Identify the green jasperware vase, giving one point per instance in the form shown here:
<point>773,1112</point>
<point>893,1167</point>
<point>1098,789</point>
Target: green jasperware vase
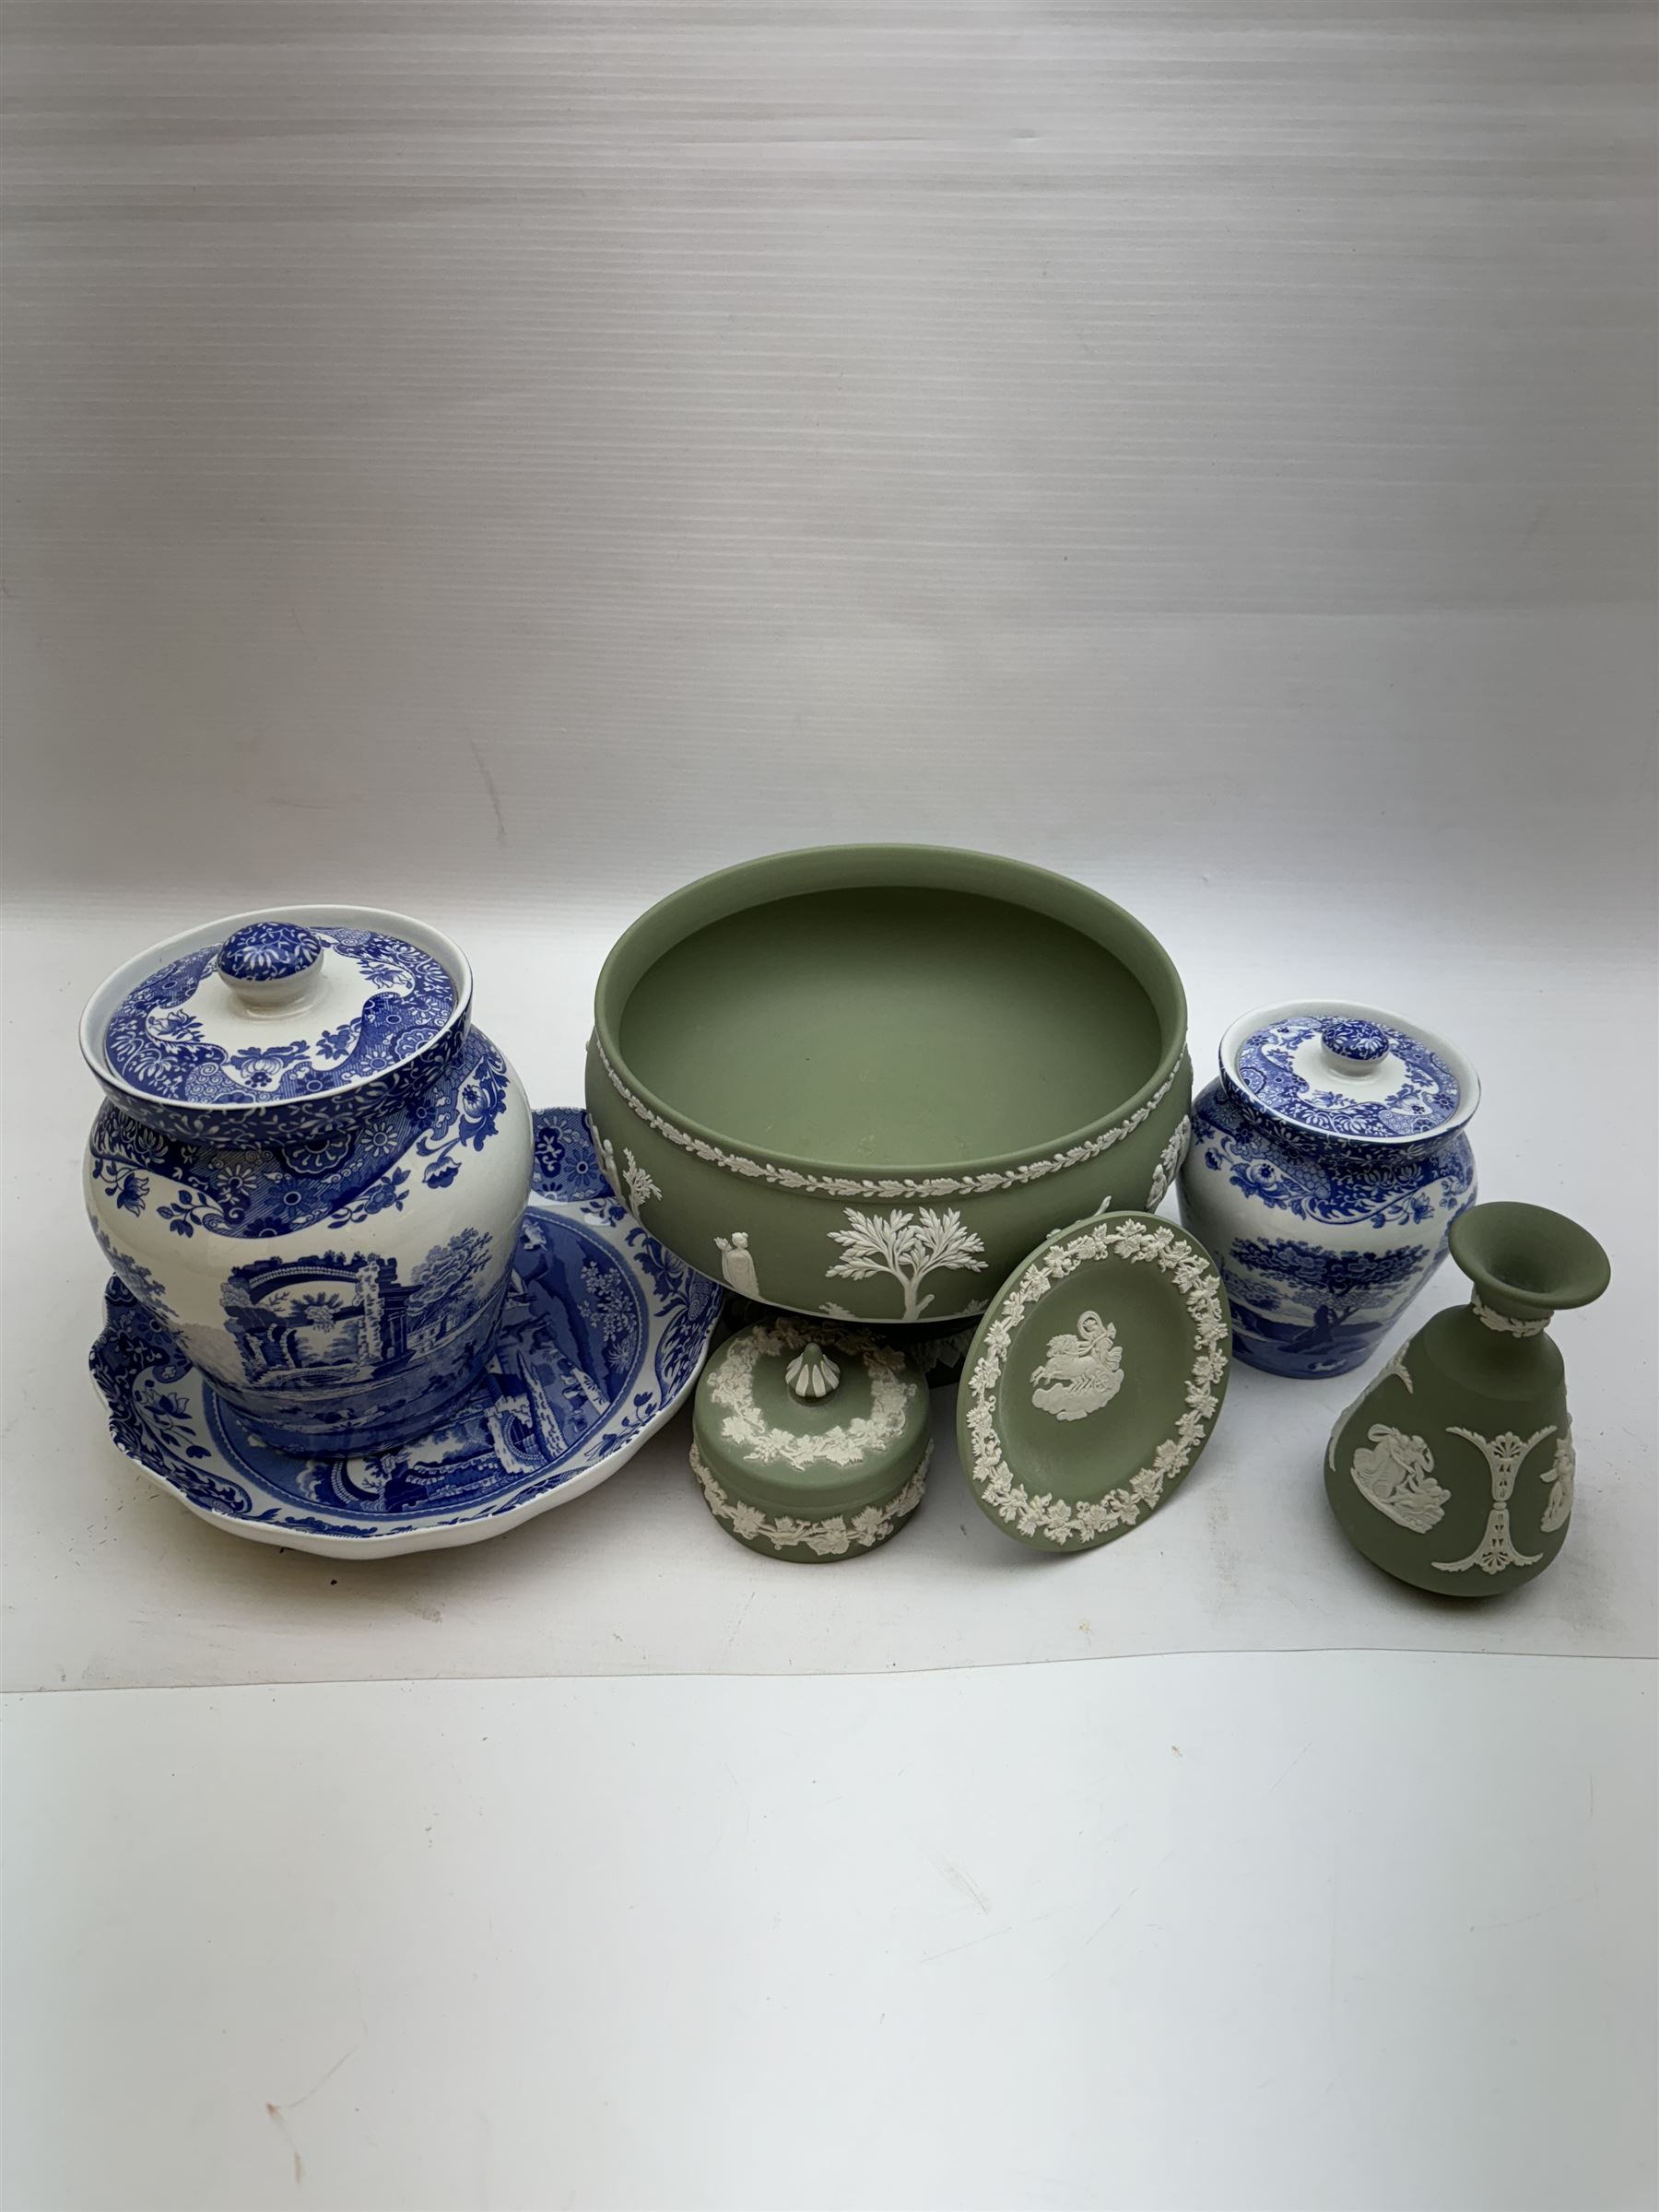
<point>1454,1469</point>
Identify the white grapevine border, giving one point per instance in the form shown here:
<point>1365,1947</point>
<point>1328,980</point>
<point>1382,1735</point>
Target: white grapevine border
<point>730,1384</point>
<point>831,1536</point>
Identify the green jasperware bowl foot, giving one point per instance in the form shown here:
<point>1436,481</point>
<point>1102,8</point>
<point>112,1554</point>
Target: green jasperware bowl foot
<point>1453,1470</point>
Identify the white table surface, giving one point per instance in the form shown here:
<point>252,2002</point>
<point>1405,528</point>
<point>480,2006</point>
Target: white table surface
<point>1323,1932</point>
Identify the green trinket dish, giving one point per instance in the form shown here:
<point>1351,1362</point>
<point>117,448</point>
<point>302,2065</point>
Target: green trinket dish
<point>863,1081</point>
<point>1453,1470</point>
<point>810,1444</point>
<point>1095,1381</point>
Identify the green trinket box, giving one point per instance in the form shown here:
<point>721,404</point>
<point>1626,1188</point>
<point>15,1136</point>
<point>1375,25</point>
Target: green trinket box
<point>810,1443</point>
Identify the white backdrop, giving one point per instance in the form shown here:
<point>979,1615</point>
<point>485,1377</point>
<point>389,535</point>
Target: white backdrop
<point>466,452</point>
<point>498,458</point>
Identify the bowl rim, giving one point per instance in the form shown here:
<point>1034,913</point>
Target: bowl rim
<point>847,868</point>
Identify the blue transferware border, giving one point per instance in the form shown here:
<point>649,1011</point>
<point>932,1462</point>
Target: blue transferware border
<point>1425,1101</point>
<point>154,1043</point>
<point>340,1178</point>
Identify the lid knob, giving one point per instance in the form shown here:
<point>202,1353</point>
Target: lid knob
<point>812,1373</point>
<point>1355,1046</point>
<point>269,965</point>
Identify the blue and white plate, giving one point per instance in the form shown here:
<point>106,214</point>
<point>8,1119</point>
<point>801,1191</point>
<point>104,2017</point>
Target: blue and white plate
<point>602,1337</point>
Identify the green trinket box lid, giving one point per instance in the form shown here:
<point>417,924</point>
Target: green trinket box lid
<point>810,1440</point>
<point>1094,1380</point>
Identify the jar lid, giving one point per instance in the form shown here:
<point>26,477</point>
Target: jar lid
<point>1336,1069</point>
<point>290,1004</point>
<point>1094,1380</point>
<point>799,1425</point>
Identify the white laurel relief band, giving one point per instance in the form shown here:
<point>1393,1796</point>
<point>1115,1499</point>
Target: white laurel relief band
<point>886,1186</point>
<point>831,1536</point>
<point>1506,1323</point>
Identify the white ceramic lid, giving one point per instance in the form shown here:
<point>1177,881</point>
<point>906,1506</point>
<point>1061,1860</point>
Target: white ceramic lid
<point>290,1005</point>
<point>1338,1069</point>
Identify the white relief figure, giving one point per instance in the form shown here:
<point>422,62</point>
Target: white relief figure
<point>1504,1455</point>
<point>1397,1475</point>
<point>1560,1474</point>
<point>608,1160</point>
<point>908,1246</point>
<point>1082,1373</point>
<point>1105,1205</point>
<point>1169,1162</point>
<point>637,1181</point>
<point>738,1264</point>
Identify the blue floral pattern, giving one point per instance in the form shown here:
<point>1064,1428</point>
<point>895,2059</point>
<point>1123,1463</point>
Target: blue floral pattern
<point>1427,1097</point>
<point>566,1163</point>
<point>1377,1188</point>
<point>341,1178</point>
<point>155,1044</point>
<point>289,1121</point>
<point>602,1335</point>
<point>268,952</point>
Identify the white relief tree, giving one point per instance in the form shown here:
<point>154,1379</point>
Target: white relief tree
<point>908,1246</point>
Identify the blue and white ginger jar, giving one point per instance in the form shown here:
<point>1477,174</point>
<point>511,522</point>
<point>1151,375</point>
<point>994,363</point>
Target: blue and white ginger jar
<point>310,1166</point>
<point>1327,1163</point>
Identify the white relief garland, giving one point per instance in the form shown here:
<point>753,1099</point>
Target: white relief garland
<point>884,1186</point>
<point>831,1536</point>
<point>1060,1520</point>
<point>1504,1455</point>
<point>639,1181</point>
<point>630,1181</point>
<point>1169,1162</point>
<point>1505,1324</point>
<point>731,1386</point>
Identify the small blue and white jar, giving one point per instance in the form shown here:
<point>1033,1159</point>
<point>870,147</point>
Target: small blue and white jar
<point>310,1167</point>
<point>1327,1163</point>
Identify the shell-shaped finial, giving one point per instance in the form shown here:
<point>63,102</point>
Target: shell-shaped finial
<point>812,1373</point>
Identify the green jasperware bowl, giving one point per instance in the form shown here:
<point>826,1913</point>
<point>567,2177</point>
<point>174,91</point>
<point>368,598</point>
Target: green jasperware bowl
<point>865,1082</point>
